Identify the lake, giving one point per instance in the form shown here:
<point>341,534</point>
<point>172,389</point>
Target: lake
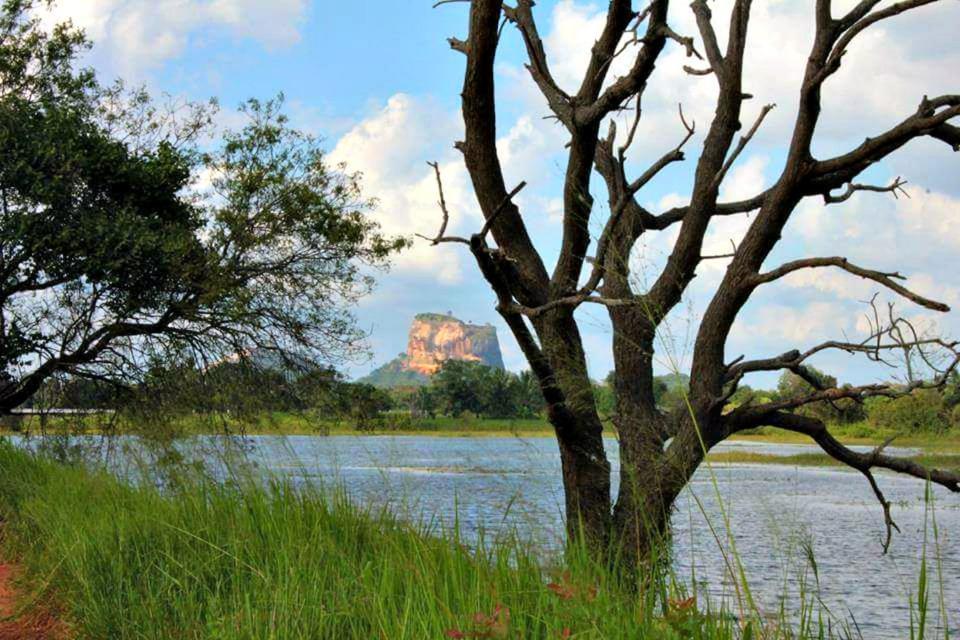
<point>505,484</point>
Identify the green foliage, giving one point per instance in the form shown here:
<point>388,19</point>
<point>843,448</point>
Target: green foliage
<point>669,392</point>
<point>435,317</point>
<point>791,387</point>
<point>463,387</point>
<point>80,393</point>
<point>605,398</point>
<point>394,375</point>
<point>922,411</point>
<point>113,251</point>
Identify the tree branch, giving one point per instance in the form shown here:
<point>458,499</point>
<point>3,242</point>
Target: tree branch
<point>885,279</point>
<point>634,82</point>
<point>895,187</point>
<point>741,145</point>
<point>559,100</point>
<point>931,118</point>
<point>704,16</point>
<point>441,237</point>
<point>480,154</point>
<point>865,463</point>
<point>859,19</point>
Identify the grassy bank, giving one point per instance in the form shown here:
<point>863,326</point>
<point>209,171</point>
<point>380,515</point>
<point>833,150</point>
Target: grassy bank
<point>255,561</point>
<point>813,459</point>
<point>301,424</point>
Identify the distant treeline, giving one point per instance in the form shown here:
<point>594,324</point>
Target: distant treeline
<point>458,390</point>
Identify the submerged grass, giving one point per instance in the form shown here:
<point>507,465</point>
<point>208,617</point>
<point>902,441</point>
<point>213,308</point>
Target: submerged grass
<point>248,559</point>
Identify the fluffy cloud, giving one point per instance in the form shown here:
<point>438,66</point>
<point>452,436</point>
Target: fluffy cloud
<point>135,36</point>
<point>390,148</point>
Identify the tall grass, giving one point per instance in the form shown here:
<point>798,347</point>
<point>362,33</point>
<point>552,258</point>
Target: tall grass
<point>253,559</point>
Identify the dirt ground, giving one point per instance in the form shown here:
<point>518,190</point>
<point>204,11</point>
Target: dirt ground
<point>37,624</point>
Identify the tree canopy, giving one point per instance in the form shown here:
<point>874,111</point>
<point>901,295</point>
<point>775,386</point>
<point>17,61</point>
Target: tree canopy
<point>126,230</point>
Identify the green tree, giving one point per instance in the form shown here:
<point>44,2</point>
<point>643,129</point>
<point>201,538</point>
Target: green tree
<point>110,251</point>
<point>462,387</point>
<point>425,402</point>
<point>529,396</point>
<point>457,387</point>
<point>792,386</point>
<point>922,411</point>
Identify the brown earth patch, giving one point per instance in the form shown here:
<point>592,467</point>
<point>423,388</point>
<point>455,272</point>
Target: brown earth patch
<point>39,623</point>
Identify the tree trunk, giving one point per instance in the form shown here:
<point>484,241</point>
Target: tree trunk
<point>586,471</point>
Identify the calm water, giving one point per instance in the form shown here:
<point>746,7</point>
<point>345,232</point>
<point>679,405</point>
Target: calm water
<point>510,483</point>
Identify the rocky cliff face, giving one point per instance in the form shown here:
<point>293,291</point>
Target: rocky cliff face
<point>435,338</point>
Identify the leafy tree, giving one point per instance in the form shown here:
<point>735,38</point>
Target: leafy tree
<point>425,402</point>
<point>457,385</point>
<point>110,250</point>
<point>80,393</point>
<point>665,448</point>
<point>529,396</point>
<point>923,411</point>
<point>363,403</point>
<point>461,387</point>
<point>792,386</point>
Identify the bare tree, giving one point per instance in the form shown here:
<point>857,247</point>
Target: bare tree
<point>660,452</point>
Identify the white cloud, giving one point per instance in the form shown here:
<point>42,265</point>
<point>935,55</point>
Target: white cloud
<point>135,36</point>
<point>792,325</point>
<point>391,149</point>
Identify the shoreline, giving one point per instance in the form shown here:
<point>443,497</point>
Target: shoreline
<point>941,453</point>
<point>496,430</point>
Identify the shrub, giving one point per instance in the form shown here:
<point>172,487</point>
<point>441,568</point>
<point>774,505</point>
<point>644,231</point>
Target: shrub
<point>922,411</point>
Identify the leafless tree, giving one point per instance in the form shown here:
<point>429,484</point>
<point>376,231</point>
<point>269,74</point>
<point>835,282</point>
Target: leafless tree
<point>660,452</point>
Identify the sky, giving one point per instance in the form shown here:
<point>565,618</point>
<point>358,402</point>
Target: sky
<point>378,82</point>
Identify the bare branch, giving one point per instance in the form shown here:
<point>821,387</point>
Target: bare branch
<point>947,133</point>
<point>865,463</point>
<point>496,212</point>
<point>697,72</point>
<point>741,145</point>
<point>597,105</point>
<point>575,301</point>
<point>895,187</point>
<point>882,339</point>
<point>522,17</point>
<point>479,148</point>
<point>859,19</point>
<point>886,279</point>
<point>704,24</point>
<point>685,42</point>
<point>441,237</point>
<point>931,118</point>
<point>624,210</point>
<point>675,155</point>
<point>457,45</point>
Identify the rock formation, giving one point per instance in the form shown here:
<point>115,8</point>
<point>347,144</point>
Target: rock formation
<point>434,338</point>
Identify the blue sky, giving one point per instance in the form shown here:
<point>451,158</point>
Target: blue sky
<point>377,80</point>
